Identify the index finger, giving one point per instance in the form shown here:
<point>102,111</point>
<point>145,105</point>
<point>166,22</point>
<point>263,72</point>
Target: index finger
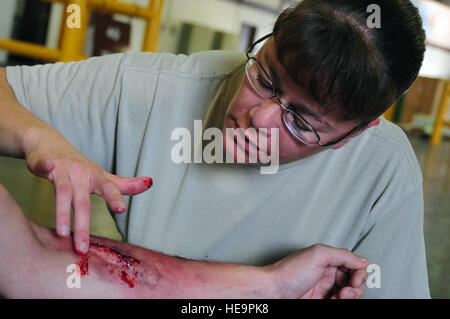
<point>81,203</point>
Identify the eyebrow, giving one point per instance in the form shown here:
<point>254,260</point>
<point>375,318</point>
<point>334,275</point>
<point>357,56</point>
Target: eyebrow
<point>303,109</point>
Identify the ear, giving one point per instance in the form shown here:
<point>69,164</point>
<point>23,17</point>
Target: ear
<point>348,139</point>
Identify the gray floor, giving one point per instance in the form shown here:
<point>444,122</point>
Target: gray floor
<point>434,161</point>
<point>435,164</point>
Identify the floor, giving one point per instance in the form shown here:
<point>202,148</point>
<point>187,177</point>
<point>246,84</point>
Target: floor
<point>435,164</point>
<point>434,161</point>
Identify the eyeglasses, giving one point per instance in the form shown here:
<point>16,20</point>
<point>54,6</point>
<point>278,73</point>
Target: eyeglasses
<point>299,127</point>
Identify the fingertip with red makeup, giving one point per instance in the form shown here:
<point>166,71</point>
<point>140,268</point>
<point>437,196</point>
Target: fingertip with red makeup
<point>148,181</point>
<point>79,252</point>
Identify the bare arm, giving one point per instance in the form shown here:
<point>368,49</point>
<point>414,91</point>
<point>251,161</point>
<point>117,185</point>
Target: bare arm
<point>113,269</point>
<point>16,122</point>
<point>34,260</point>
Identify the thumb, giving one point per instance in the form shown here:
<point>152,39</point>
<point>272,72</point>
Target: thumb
<point>131,185</point>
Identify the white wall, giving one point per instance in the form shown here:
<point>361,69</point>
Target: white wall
<point>436,63</point>
<point>54,23</point>
<point>7,11</point>
<point>215,14</point>
<point>436,21</point>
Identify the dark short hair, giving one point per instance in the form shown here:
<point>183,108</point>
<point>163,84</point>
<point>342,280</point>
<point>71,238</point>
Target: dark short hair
<point>354,72</point>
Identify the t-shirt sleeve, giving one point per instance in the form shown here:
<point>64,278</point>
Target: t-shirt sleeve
<point>78,99</point>
<point>395,247</point>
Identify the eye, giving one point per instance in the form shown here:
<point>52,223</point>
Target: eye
<point>265,85</point>
<point>300,126</point>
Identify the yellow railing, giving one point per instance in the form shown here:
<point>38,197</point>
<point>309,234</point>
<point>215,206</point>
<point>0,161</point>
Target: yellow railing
<point>389,114</point>
<point>439,122</point>
<point>71,40</point>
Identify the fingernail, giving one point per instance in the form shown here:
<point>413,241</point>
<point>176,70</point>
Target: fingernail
<point>350,294</point>
<point>79,252</point>
<point>120,208</point>
<point>148,182</point>
<point>64,230</point>
<point>82,248</point>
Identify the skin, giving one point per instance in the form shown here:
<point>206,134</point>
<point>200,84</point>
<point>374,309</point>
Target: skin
<point>41,256</point>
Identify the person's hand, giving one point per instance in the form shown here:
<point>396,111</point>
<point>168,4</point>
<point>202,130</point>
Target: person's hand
<point>318,272</point>
<point>75,177</point>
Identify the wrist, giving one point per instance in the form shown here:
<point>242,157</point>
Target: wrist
<point>226,280</point>
<point>268,282</point>
<point>33,136</point>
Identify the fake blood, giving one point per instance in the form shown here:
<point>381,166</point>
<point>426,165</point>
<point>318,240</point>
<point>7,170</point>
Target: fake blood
<point>129,280</point>
<point>148,182</point>
<point>128,273</point>
<point>83,265</point>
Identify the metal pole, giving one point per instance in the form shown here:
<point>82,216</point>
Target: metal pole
<point>439,121</point>
<point>152,27</point>
<point>73,38</point>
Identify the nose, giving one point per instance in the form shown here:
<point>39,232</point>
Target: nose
<point>280,103</point>
<point>267,111</point>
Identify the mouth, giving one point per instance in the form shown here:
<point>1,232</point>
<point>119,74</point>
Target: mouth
<point>247,141</point>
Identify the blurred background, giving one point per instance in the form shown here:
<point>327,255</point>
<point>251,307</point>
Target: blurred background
<point>35,32</point>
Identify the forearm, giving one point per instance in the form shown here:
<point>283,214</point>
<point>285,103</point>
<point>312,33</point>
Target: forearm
<point>34,261</point>
<point>120,270</point>
<point>17,124</point>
